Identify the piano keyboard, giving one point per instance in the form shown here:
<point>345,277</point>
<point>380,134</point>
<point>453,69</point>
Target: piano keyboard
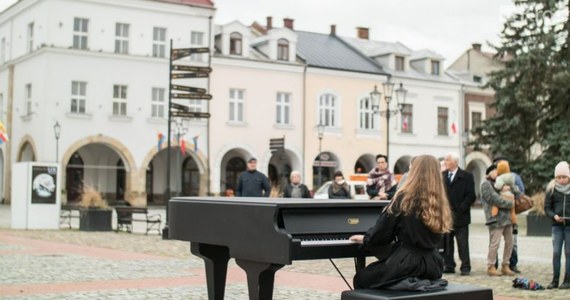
<point>319,243</point>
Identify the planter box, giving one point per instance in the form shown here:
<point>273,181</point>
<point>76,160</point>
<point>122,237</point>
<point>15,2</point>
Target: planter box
<point>537,225</point>
<point>96,220</point>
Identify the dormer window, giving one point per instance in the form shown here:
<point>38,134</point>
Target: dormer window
<point>236,43</point>
<point>434,67</point>
<point>400,63</point>
<point>283,49</point>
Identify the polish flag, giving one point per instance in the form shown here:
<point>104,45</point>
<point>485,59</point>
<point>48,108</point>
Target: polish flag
<point>453,128</point>
<point>405,124</point>
<point>183,146</point>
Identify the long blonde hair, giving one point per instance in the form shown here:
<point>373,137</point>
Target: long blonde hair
<point>423,193</point>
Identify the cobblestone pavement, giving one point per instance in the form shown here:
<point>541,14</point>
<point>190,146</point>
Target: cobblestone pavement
<point>69,264</point>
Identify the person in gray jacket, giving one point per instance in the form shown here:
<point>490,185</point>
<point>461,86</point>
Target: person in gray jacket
<point>253,183</point>
<point>502,227</point>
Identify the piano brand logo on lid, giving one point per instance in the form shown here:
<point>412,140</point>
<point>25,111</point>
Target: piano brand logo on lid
<point>353,221</point>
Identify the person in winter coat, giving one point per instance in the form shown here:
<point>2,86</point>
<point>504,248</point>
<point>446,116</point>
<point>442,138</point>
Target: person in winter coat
<point>381,183</point>
<point>557,208</point>
<point>253,183</point>
<point>412,227</point>
<point>501,226</point>
<point>339,189</point>
<point>296,189</point>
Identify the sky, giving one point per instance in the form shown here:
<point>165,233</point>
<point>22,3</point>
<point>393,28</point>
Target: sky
<point>448,27</point>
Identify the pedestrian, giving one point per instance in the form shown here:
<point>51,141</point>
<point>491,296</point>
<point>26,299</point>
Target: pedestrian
<point>520,185</point>
<point>502,225</point>
<point>339,188</point>
<point>296,189</point>
<point>557,208</point>
<point>381,183</point>
<point>460,188</point>
<point>502,178</point>
<point>412,227</point>
<point>252,183</point>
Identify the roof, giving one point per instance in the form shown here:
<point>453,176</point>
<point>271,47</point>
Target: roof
<point>330,52</point>
<point>207,3</point>
<point>372,48</point>
<point>426,53</point>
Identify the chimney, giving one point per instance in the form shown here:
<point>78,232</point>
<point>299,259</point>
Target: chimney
<point>333,29</point>
<point>476,47</point>
<point>288,23</point>
<point>269,25</point>
<point>362,33</point>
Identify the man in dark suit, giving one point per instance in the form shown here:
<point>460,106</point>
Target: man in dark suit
<point>460,188</point>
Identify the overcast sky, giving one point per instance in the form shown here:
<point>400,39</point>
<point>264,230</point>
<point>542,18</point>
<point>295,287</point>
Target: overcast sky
<point>448,27</point>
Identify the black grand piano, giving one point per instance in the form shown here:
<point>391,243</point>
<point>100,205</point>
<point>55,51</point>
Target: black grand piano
<point>265,234</point>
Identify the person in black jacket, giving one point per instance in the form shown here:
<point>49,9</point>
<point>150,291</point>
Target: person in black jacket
<point>411,227</point>
<point>339,188</point>
<point>381,183</point>
<point>460,188</point>
<point>557,208</point>
<point>296,189</point>
<point>253,183</point>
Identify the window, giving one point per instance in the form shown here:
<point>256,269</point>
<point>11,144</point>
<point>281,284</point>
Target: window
<point>122,38</point>
<point>28,99</point>
<point>197,40</point>
<point>283,108</point>
<point>434,67</point>
<point>400,63</point>
<point>442,120</point>
<point>78,93</point>
<point>237,102</point>
<point>476,119</point>
<point>477,79</point>
<point>282,49</point>
<point>327,110</point>
<point>235,43</point>
<point>30,37</point>
<point>159,42</point>
<point>157,103</point>
<point>3,51</point>
<point>407,118</point>
<point>366,117</point>
<point>119,100</point>
<point>194,105</point>
<point>80,29</point>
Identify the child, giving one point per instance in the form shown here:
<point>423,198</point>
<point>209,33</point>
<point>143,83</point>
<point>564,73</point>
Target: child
<point>504,178</point>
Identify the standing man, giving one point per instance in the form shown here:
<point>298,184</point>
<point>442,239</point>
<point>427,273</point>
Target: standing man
<point>520,185</point>
<point>460,188</point>
<point>253,183</point>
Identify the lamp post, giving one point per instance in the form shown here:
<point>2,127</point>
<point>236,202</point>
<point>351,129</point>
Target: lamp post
<point>375,96</point>
<point>179,130</point>
<point>320,134</point>
<point>57,132</point>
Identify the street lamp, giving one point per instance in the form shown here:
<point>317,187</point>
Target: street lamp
<point>320,134</point>
<point>57,132</point>
<point>375,96</point>
<point>179,131</point>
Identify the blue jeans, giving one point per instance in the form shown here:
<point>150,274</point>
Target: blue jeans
<point>560,235</point>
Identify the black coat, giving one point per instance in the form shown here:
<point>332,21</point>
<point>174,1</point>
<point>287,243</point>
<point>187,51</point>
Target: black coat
<point>461,195</point>
<point>253,184</point>
<point>304,191</point>
<point>556,203</point>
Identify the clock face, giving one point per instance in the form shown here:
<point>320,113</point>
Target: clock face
<point>43,185</point>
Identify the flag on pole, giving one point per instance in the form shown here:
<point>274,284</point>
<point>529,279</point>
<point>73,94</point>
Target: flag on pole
<point>405,124</point>
<point>453,128</point>
<point>183,146</point>
<point>160,140</point>
<point>3,134</point>
<point>195,141</point>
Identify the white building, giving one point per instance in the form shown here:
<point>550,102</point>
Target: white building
<point>100,69</point>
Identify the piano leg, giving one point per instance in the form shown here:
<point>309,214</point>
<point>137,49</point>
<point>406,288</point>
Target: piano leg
<point>216,260</point>
<point>260,278</point>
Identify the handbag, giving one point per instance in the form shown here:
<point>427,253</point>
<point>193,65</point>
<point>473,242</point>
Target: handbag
<point>523,203</point>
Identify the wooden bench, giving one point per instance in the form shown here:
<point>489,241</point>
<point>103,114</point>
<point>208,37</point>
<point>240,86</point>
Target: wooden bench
<point>125,218</point>
<point>451,292</point>
<point>68,212</point>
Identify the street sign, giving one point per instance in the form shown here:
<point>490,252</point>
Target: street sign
<point>180,53</point>
<point>190,114</point>
<point>188,75</point>
<point>276,144</point>
<point>188,89</point>
<point>178,107</point>
<point>192,96</point>
<point>325,163</point>
<point>191,69</point>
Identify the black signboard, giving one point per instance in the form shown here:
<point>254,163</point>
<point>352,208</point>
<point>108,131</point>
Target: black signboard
<point>191,69</point>
<point>276,144</point>
<point>44,185</point>
<point>178,107</point>
<point>180,53</point>
<point>192,96</point>
<point>190,114</point>
<point>189,75</point>
<point>188,89</point>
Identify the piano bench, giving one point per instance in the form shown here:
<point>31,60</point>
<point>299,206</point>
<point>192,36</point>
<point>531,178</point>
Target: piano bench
<point>452,291</point>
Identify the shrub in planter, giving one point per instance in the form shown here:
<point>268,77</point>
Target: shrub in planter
<point>95,214</point>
